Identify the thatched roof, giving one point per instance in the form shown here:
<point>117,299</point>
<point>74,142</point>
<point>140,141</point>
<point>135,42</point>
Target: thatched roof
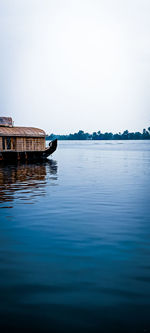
<point>22,132</point>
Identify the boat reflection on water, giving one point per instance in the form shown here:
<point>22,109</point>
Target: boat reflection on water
<point>26,180</point>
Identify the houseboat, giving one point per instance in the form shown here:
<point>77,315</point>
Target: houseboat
<point>23,143</point>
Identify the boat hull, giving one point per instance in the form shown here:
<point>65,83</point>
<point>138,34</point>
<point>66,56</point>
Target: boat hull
<point>28,155</point>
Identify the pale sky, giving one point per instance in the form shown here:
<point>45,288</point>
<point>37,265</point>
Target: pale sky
<point>67,65</point>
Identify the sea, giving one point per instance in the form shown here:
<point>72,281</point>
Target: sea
<point>75,240</point>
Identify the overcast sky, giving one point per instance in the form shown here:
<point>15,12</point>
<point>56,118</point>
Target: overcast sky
<point>67,65</point>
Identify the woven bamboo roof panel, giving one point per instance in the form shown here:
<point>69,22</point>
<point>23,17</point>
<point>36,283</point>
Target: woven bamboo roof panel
<point>22,132</point>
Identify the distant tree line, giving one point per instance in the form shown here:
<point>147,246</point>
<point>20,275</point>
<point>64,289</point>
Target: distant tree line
<point>81,135</point>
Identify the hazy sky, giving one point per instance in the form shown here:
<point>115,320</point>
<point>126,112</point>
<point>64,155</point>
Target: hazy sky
<point>67,65</point>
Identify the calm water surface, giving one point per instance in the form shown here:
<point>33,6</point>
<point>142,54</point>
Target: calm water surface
<point>75,240</point>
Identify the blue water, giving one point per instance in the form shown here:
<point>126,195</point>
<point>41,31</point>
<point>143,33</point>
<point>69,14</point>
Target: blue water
<point>75,240</point>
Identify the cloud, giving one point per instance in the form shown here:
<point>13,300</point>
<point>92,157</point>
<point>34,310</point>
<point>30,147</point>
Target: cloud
<point>69,65</point>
